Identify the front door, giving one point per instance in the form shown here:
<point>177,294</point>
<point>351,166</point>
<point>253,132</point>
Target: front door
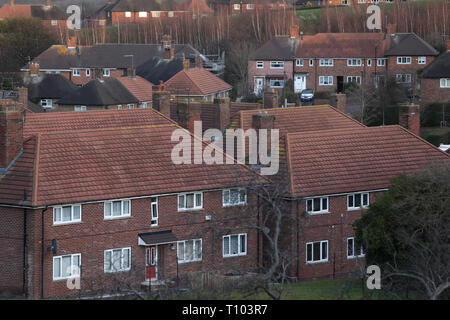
<point>259,84</point>
<point>151,265</point>
<point>299,83</point>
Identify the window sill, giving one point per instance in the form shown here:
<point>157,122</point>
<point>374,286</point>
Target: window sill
<point>235,256</point>
<point>355,257</point>
<point>357,209</point>
<point>233,205</point>
<point>317,213</point>
<point>65,279</point>
<point>117,271</point>
<point>187,210</point>
<point>317,262</point>
<point>117,218</point>
<point>187,262</point>
<point>66,223</point>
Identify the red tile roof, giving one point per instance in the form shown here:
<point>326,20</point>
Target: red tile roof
<point>17,10</point>
<point>354,159</point>
<point>199,80</point>
<point>138,87</point>
<point>299,119</point>
<point>62,121</point>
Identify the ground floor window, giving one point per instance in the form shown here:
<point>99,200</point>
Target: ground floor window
<point>66,266</point>
<point>117,259</point>
<point>326,80</point>
<point>317,251</point>
<point>235,245</point>
<point>189,250</point>
<point>354,250</point>
<point>276,83</point>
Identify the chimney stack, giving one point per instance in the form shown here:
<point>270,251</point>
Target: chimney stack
<point>341,102</point>
<point>264,120</point>
<point>270,99</point>
<point>294,32</point>
<point>188,113</point>
<point>71,42</point>
<point>161,99</point>
<point>23,96</point>
<point>131,73</point>
<point>34,69</point>
<point>223,112</point>
<point>186,64</point>
<point>11,133</point>
<point>11,3</point>
<point>409,117</point>
<point>198,62</point>
<point>49,3</point>
<point>169,50</point>
<point>391,28</point>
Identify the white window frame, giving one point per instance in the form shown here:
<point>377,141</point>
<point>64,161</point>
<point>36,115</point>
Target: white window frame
<point>80,108</point>
<point>88,72</point>
<point>259,64</point>
<point>276,64</point>
<point>311,62</point>
<point>119,107</point>
<point>142,14</point>
<point>352,197</point>
<point>404,60</point>
<point>326,62</point>
<point>54,22</point>
<point>154,211</point>
<point>226,194</point>
<point>144,105</point>
<point>130,106</point>
<point>422,60</point>
<point>320,254</point>
<point>299,62</point>
<point>170,14</point>
<point>110,204</point>
<point>353,249</point>
<point>381,62</point>
<point>250,6</point>
<point>369,62</point>
<point>310,203</point>
<point>111,251</point>
<point>237,6</point>
<point>195,249</point>
<point>240,252</point>
<point>72,219</point>
<point>72,269</point>
<point>403,78</point>
<point>352,78</point>
<point>46,103</point>
<point>196,205</point>
<point>76,72</point>
<point>106,72</point>
<point>322,81</point>
<point>444,82</point>
<point>354,62</point>
<point>156,14</point>
<point>128,14</point>
<point>271,83</point>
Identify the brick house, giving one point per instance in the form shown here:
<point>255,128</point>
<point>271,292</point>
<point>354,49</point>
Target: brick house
<point>196,84</point>
<point>115,93</point>
<point>334,167</point>
<point>81,64</point>
<point>435,79</point>
<point>76,193</point>
<point>328,61</point>
<point>50,15</point>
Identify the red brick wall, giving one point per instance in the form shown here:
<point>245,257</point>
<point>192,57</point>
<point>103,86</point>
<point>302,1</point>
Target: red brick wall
<point>431,91</point>
<point>267,71</point>
<point>94,235</point>
<point>393,68</point>
<point>119,17</point>
<point>83,79</point>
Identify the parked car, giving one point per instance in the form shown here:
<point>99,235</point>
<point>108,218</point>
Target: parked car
<point>307,95</point>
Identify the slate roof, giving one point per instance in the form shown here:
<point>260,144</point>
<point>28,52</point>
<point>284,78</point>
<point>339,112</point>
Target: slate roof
<point>32,10</point>
<point>100,93</point>
<point>150,5</point>
<point>158,69</point>
<point>108,55</point>
<point>51,86</point>
<point>439,67</point>
<point>98,164</point>
<point>354,159</point>
<point>199,80</point>
<point>409,44</point>
<point>279,48</point>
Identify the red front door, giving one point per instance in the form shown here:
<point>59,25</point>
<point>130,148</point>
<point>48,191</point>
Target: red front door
<point>151,258</point>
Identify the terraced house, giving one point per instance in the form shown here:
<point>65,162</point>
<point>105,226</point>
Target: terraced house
<point>95,196</point>
<point>329,61</point>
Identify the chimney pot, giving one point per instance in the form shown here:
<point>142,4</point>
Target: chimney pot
<point>409,117</point>
<point>34,69</point>
<point>186,64</point>
<point>294,32</point>
<point>198,62</point>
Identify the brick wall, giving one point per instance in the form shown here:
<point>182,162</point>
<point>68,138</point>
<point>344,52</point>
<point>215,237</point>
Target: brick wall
<point>393,68</point>
<point>94,235</point>
<point>431,91</point>
<point>83,78</point>
<point>267,72</point>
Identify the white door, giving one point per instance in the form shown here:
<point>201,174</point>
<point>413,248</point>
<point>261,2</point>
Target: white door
<point>259,84</point>
<point>299,83</point>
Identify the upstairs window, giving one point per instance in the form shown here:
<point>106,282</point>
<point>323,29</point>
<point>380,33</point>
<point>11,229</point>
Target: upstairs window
<point>299,62</point>
<point>106,72</point>
<point>130,106</point>
<point>317,251</point>
<point>117,209</point>
<point>46,103</point>
<point>354,62</point>
<point>357,200</point>
<point>237,7</point>
<point>250,6</point>
<point>190,201</point>
<point>259,64</point>
<point>233,197</point>
<point>317,205</point>
<point>79,108</point>
<point>154,211</point>
<point>403,60</point>
<point>156,14</point>
<point>54,22</point>
<point>311,62</point>
<point>235,245</point>
<point>381,62</point>
<point>142,14</point>
<point>66,214</point>
<point>76,72</point>
<point>354,250</point>
<point>170,14</point>
<point>88,72</point>
<point>326,62</point>
<point>128,14</point>
<point>277,64</point>
<point>422,60</point>
<point>369,62</point>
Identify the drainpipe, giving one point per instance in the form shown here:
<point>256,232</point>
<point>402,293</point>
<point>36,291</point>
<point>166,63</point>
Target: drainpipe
<point>42,251</point>
<point>297,247</point>
<point>24,289</point>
